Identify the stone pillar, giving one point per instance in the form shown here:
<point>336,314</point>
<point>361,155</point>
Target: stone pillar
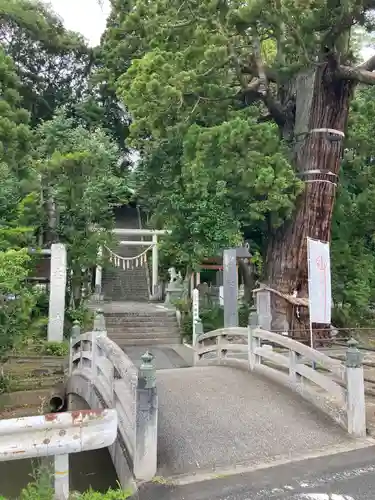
<point>155,264</point>
<point>253,341</point>
<point>192,281</point>
<point>263,305</point>
<point>98,275</point>
<point>195,315</point>
<point>230,288</point>
<point>198,278</point>
<point>99,323</point>
<point>57,293</point>
<point>145,450</point>
<point>74,336</point>
<point>356,406</point>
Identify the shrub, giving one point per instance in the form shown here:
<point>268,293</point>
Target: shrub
<point>109,495</point>
<point>41,489</point>
<point>83,315</point>
<point>55,349</point>
<point>212,319</point>
<point>17,299</point>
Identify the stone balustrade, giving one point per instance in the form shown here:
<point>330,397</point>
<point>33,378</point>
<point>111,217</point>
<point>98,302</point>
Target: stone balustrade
<point>335,387</point>
<point>104,377</point>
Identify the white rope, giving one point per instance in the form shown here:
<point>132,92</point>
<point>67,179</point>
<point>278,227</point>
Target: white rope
<point>328,131</point>
<point>127,262</point>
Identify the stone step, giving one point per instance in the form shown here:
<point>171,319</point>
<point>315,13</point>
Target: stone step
<point>139,317</point>
<point>142,324</point>
<point>141,334</point>
<point>135,321</point>
<point>142,315</point>
<point>148,341</point>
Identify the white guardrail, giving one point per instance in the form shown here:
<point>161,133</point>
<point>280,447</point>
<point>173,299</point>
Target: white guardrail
<point>336,387</point>
<point>58,435</point>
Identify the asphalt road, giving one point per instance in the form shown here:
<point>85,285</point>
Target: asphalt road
<point>345,476</point>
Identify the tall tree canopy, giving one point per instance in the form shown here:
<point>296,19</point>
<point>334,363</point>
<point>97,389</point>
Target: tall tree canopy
<point>203,73</point>
<point>353,243</point>
<point>53,63</point>
<point>79,186</point>
<point>16,177</point>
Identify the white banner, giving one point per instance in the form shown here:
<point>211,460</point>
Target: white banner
<point>319,268</point>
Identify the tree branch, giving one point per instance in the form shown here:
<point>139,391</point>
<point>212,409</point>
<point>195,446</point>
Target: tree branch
<point>275,108</point>
<point>368,65</point>
<point>263,81</point>
<point>357,74</point>
<point>251,69</point>
<point>252,94</point>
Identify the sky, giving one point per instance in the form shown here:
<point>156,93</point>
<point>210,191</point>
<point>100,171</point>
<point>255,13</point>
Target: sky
<point>85,16</point>
<point>89,18</point>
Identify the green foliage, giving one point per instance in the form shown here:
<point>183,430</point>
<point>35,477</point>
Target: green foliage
<point>5,385</point>
<point>109,495</point>
<point>41,486</point>
<point>53,62</point>
<point>77,170</point>
<point>55,349</point>
<point>209,168</point>
<point>212,318</point>
<point>353,243</point>
<point>17,300</point>
<point>82,314</point>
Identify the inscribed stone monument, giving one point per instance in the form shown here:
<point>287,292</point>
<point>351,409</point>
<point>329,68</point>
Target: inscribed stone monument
<point>230,288</point>
<point>57,293</point>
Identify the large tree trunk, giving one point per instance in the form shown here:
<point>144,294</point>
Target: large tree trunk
<point>320,102</point>
<point>247,272</point>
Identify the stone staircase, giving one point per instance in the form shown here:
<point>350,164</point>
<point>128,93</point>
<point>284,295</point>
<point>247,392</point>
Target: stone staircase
<point>143,328</point>
<point>132,321</point>
<point>130,284</point>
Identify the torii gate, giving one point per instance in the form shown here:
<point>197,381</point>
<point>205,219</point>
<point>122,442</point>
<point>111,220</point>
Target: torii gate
<point>154,233</point>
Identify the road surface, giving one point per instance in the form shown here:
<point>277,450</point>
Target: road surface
<point>345,476</point>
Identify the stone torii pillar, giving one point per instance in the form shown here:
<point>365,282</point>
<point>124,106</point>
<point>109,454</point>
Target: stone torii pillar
<point>57,293</point>
<point>155,263</point>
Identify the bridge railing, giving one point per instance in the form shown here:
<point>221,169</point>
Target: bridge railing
<point>336,387</point>
<point>119,384</point>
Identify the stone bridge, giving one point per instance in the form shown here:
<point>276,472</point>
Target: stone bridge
<point>253,398</point>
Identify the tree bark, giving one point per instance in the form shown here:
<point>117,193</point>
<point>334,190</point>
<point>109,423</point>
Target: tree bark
<point>321,101</point>
<point>52,218</point>
<point>248,278</point>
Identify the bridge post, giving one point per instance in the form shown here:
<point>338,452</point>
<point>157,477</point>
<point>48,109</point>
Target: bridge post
<point>253,342</point>
<point>145,452</point>
<point>356,407</point>
<point>294,376</point>
<point>198,332</point>
<point>197,324</point>
<point>75,333</point>
<point>99,322</point>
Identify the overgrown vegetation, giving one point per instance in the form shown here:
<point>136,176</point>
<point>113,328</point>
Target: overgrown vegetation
<point>61,166</point>
<point>40,488</point>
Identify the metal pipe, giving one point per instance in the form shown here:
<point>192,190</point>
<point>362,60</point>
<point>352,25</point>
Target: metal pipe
<point>57,398</point>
